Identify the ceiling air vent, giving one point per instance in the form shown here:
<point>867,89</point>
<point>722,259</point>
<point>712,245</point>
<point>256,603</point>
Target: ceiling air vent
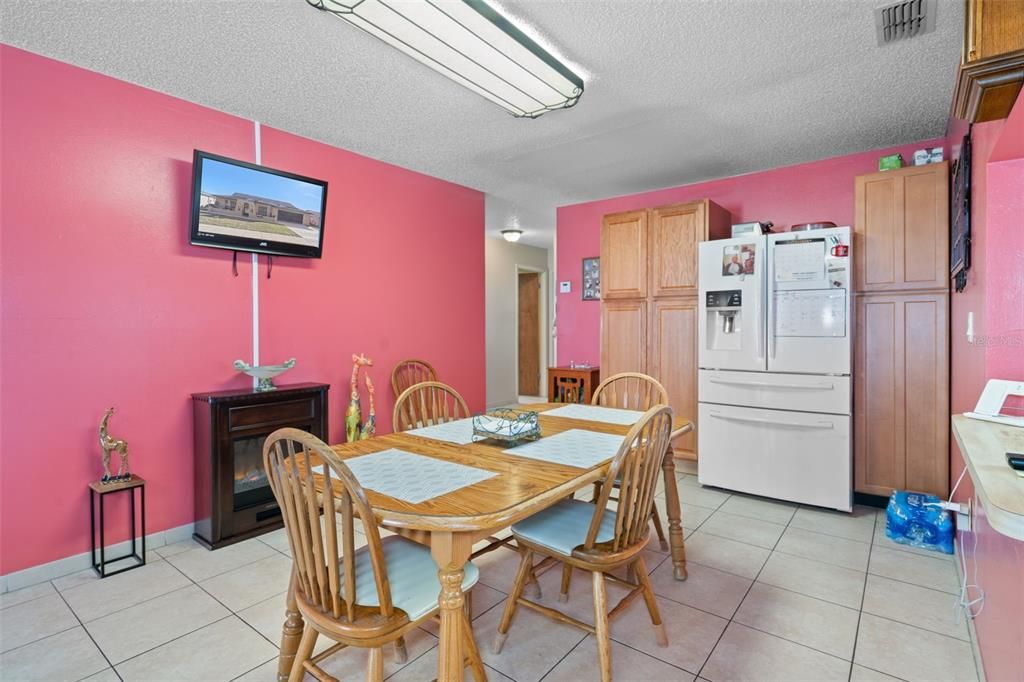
<point>904,20</point>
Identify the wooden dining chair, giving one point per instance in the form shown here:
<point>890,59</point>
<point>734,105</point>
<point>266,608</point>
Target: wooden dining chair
<point>366,597</point>
<point>597,539</point>
<point>632,391</point>
<point>409,373</point>
<point>427,404</point>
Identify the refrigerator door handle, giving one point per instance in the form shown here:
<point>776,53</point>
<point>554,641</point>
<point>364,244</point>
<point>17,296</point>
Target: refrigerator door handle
<point>774,384</point>
<point>760,328</point>
<point>770,330</point>
<point>775,422</point>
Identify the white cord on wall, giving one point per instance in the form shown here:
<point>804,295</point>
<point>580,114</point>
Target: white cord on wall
<point>965,606</point>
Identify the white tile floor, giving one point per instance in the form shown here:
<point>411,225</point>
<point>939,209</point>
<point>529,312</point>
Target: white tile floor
<point>775,592</point>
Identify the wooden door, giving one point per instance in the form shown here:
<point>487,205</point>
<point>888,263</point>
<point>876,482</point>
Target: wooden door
<point>529,333</point>
<point>623,337</point>
<point>901,229</point>
<point>673,362</point>
<point>675,232</point>
<point>624,255</point>
<point>901,394</point>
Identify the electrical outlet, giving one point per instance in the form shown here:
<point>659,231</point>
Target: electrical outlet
<point>963,517</point>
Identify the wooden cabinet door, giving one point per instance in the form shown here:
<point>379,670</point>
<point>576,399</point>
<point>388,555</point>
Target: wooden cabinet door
<point>926,388</point>
<point>878,396</point>
<point>673,362</point>
<point>901,229</point>
<point>901,388</point>
<point>675,232</point>
<point>623,337</point>
<point>994,27</point>
<point>624,255</point>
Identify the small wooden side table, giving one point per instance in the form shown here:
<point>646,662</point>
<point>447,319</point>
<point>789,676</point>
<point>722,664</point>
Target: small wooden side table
<point>102,489</point>
<point>572,384</point>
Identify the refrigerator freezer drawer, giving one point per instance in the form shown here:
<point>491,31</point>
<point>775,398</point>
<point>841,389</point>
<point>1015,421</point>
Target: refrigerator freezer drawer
<point>801,392</point>
<point>803,458</point>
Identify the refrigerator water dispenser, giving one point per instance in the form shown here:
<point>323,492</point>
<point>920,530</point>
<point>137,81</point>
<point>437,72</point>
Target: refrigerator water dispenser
<point>725,319</point>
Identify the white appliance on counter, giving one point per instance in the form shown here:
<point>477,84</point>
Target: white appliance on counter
<point>774,388</point>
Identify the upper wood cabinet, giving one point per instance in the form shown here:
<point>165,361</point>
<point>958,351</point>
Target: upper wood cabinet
<point>901,393</point>
<point>901,229</point>
<point>992,28</point>
<point>673,360</point>
<point>675,232</point>
<point>655,250</point>
<point>992,68</point>
<point>623,337</point>
<point>624,255</point>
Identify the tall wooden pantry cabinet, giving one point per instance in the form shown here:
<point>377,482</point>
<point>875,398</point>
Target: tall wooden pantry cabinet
<point>649,298</point>
<point>901,348</point>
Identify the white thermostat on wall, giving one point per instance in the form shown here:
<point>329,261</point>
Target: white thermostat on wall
<point>564,287</point>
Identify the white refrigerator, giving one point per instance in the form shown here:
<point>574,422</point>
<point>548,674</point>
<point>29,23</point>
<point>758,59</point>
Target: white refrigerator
<point>774,387</point>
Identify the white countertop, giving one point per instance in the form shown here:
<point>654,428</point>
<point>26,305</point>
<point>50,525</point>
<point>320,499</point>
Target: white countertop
<point>984,446</point>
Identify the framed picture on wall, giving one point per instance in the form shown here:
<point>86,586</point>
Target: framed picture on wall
<point>591,279</point>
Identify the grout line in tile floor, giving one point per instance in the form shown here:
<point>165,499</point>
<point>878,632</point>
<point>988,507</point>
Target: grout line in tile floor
<point>651,569</point>
<point>745,594</point>
<point>231,614</point>
<point>87,634</point>
<point>863,595</point>
<point>252,669</point>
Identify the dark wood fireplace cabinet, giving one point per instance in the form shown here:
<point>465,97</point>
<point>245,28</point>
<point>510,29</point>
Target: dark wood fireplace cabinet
<point>232,498</point>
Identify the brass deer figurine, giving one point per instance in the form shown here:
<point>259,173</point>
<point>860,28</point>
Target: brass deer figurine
<point>109,444</point>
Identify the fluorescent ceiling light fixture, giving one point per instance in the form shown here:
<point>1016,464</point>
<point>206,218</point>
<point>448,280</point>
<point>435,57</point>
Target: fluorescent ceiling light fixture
<point>511,235</point>
<point>471,43</point>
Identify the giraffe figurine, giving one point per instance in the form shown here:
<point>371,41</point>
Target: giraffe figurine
<point>354,413</point>
<point>370,425</point>
<point>108,445</point>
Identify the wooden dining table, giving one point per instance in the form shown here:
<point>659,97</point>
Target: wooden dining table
<point>450,524</point>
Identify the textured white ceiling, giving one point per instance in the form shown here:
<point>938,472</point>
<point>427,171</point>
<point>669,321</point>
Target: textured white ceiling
<point>676,92</point>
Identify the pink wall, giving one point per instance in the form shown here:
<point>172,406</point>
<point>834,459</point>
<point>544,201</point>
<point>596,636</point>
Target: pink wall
<point>103,301</point>
<point>809,192</point>
<point>995,293</point>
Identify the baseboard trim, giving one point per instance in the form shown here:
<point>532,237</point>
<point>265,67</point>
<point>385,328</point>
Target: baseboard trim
<point>72,564</point>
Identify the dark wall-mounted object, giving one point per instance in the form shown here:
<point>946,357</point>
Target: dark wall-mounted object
<point>242,206</point>
<point>233,500</point>
<point>960,217</point>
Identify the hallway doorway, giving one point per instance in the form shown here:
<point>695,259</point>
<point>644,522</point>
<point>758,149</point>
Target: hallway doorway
<point>529,333</point>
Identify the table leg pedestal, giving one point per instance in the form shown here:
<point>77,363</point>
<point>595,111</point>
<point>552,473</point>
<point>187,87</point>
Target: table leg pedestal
<point>451,552</point>
<point>291,634</point>
<point>675,526</point>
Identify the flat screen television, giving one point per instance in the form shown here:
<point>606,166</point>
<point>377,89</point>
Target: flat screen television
<point>244,207</point>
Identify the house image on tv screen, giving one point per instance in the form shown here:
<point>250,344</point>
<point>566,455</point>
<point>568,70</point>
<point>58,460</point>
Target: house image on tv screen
<point>249,206</point>
<point>256,217</point>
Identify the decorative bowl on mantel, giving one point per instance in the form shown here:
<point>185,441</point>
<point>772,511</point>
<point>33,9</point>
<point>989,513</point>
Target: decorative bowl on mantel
<point>264,373</point>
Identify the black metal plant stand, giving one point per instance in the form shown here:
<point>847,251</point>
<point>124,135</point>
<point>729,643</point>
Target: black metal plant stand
<point>102,489</point>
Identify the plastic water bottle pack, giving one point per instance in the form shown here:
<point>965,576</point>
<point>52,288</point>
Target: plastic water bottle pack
<point>919,520</point>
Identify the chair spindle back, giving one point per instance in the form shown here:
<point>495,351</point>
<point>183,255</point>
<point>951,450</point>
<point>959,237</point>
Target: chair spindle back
<point>324,571</point>
<point>630,391</point>
<point>409,373</point>
<point>427,404</point>
<point>636,466</point>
